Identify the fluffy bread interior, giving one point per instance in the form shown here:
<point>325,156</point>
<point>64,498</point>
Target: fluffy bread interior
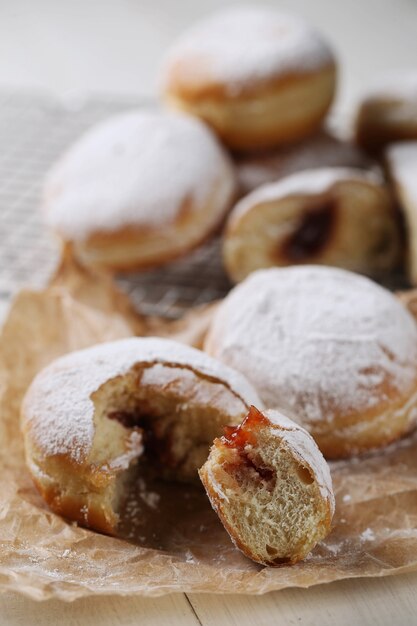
<point>267,497</point>
<point>353,226</point>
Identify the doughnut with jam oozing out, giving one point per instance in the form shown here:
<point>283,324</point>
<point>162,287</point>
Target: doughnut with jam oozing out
<point>92,418</point>
<point>271,487</point>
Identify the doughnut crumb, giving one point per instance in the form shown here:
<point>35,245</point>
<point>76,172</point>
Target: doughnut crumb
<point>271,488</point>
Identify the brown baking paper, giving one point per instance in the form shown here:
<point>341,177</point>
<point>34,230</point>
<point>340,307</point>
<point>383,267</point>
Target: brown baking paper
<point>174,540</point>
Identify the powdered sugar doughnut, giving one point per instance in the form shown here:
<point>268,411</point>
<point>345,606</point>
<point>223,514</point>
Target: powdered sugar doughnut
<point>139,189</point>
<point>332,216</point>
<point>91,415</point>
<point>259,77</point>
<point>331,349</point>
<point>387,112</point>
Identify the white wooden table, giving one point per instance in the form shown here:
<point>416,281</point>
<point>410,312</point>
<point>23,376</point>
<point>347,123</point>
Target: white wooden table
<point>115,47</point>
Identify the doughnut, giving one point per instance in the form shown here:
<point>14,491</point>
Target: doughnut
<point>139,189</point>
<point>260,78</point>
<point>94,417</point>
<point>271,487</point>
<point>330,216</point>
<point>401,161</point>
<point>331,349</point>
<point>387,112</point>
<point>323,149</point>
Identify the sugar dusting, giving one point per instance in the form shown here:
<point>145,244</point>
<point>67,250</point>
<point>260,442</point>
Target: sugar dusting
<point>249,45</point>
<point>140,169</point>
<point>316,341</point>
<point>307,182</point>
<point>367,535</point>
<point>58,406</point>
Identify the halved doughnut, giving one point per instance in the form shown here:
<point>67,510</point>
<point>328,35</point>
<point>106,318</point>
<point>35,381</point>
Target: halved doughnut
<point>271,487</point>
<point>331,216</point>
<point>91,418</point>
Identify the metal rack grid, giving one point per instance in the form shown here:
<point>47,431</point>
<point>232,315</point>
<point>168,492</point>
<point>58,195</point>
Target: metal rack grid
<point>34,131</point>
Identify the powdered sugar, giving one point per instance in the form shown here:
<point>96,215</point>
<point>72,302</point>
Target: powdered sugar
<point>305,448</point>
<point>317,341</point>
<point>248,45</point>
<point>58,405</point>
<point>137,169</point>
<point>308,182</point>
<point>367,535</point>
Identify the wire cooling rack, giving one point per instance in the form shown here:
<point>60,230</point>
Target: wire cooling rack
<point>34,130</point>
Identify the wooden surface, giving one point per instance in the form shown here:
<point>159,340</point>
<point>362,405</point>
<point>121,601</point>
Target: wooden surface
<point>116,47</point>
<point>386,601</point>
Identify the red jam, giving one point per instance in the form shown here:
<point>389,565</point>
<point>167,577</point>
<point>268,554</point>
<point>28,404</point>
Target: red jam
<point>239,436</point>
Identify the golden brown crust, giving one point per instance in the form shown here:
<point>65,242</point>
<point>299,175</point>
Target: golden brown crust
<point>371,429</point>
<point>100,250</point>
<point>277,112</point>
<point>219,92</point>
<point>93,516</point>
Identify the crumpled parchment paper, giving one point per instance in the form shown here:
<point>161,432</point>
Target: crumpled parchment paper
<point>43,556</point>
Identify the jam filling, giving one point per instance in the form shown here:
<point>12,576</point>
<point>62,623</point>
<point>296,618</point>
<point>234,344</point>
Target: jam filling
<point>158,446</point>
<point>312,234</point>
<point>238,437</point>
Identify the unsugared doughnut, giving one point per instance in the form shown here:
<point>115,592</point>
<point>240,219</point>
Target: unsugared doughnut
<point>331,349</point>
<point>332,216</point>
<point>139,189</point>
<point>271,487</point>
<point>260,78</point>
